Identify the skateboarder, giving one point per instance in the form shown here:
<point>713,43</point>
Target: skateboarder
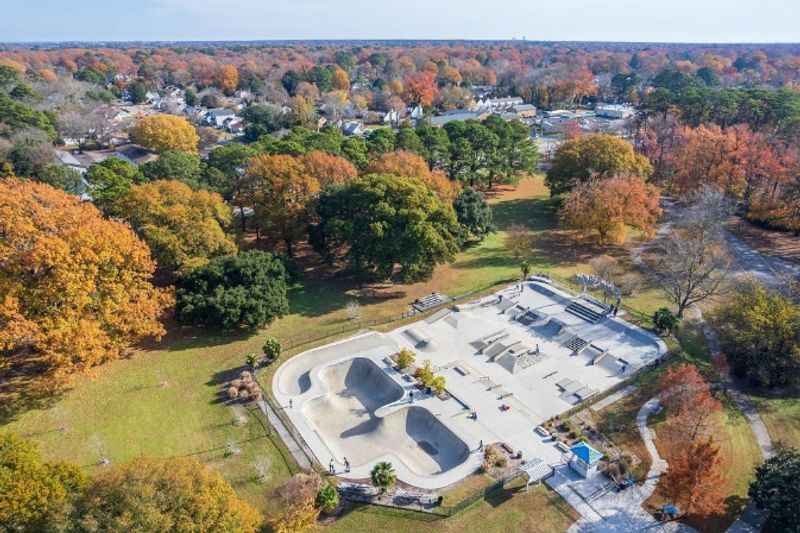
<point>346,465</point>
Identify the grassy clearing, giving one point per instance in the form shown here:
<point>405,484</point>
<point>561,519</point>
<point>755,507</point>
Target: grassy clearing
<point>539,510</point>
<point>782,418</point>
<point>740,454</point>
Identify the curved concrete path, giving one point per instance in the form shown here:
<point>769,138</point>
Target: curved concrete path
<point>620,511</point>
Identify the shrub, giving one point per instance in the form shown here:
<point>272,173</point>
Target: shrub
<point>251,360</point>
<point>233,393</point>
<point>271,348</point>
<point>405,358</point>
<point>438,384</point>
<point>246,376</point>
<point>327,498</point>
<point>665,321</point>
<point>425,373</point>
<point>493,457</point>
<point>237,383</point>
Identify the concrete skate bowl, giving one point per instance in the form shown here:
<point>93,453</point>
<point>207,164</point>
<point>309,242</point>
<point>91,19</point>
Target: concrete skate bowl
<point>294,376</point>
<point>345,418</point>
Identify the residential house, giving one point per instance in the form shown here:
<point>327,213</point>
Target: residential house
<point>136,155</point>
<point>524,110</point>
<point>353,127</point>
<point>217,117</point>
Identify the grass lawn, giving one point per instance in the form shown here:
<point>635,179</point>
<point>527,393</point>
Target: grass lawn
<point>740,454</point>
<point>782,418</point>
<point>165,400</point>
<point>539,510</point>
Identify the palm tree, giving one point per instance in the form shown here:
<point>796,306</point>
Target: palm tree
<point>383,476</point>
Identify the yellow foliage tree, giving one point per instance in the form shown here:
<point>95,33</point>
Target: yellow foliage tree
<point>34,495</point>
<point>184,228</point>
<point>74,287</point>
<point>340,80</point>
<point>178,494</point>
<point>280,190</point>
<point>165,132</point>
<point>297,504</point>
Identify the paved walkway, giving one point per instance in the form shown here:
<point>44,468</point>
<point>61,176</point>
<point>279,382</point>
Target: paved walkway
<point>751,519</point>
<point>283,433</point>
<point>619,511</point>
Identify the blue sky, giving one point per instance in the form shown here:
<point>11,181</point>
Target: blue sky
<point>605,20</point>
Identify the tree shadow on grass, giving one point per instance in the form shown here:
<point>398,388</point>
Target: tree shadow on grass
<point>26,386</point>
<point>536,214</point>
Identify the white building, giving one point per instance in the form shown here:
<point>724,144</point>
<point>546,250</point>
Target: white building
<point>217,117</point>
<point>614,111</point>
<point>584,459</point>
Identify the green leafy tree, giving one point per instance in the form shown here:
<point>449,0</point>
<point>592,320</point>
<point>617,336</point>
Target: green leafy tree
<point>516,155</point>
<point>190,97</point>
<point>172,165</point>
<point>407,139</point>
<point>775,489</point>
<point>473,213</point>
<point>65,178</point>
<point>381,141</point>
<point>473,149</point>
<point>383,476</point>
<point>175,494</point>
<point>759,332</point>
<point>380,222</point>
<point>110,180</point>
<point>244,290</point>
<point>17,116</point>
<point>598,155</point>
<point>435,146</point>
<point>665,320</point>
<point>137,91</point>
<point>355,150</point>
<point>271,348</point>
<point>35,495</point>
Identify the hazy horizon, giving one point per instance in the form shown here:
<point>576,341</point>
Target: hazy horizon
<point>679,21</point>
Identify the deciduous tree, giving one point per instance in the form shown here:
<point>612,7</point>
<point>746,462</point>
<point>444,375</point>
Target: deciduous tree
<point>420,88</point>
<point>759,333</point>
<point>607,206</point>
<point>244,290</point>
<point>694,478</point>
<point>165,132</point>
<point>590,156</point>
<point>380,222</point>
<point>280,191</point>
<point>184,228</point>
<point>403,163</point>
<point>35,495</point>
<point>80,294</point>
<point>177,494</point>
<point>328,169</point>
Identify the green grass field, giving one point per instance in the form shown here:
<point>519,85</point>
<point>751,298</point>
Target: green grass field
<point>782,418</point>
<point>165,401</point>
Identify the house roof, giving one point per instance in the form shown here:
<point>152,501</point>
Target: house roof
<point>586,453</point>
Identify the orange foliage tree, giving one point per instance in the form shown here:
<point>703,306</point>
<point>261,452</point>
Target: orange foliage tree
<point>608,206</point>
<point>410,165</point>
<point>694,479</point>
<point>280,190</point>
<point>420,88</point>
<point>327,168</point>
<point>228,78</point>
<point>687,397</point>
<point>734,159</point>
<point>165,132</point>
<point>75,287</point>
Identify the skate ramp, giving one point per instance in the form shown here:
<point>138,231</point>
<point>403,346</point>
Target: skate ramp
<point>345,419</point>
